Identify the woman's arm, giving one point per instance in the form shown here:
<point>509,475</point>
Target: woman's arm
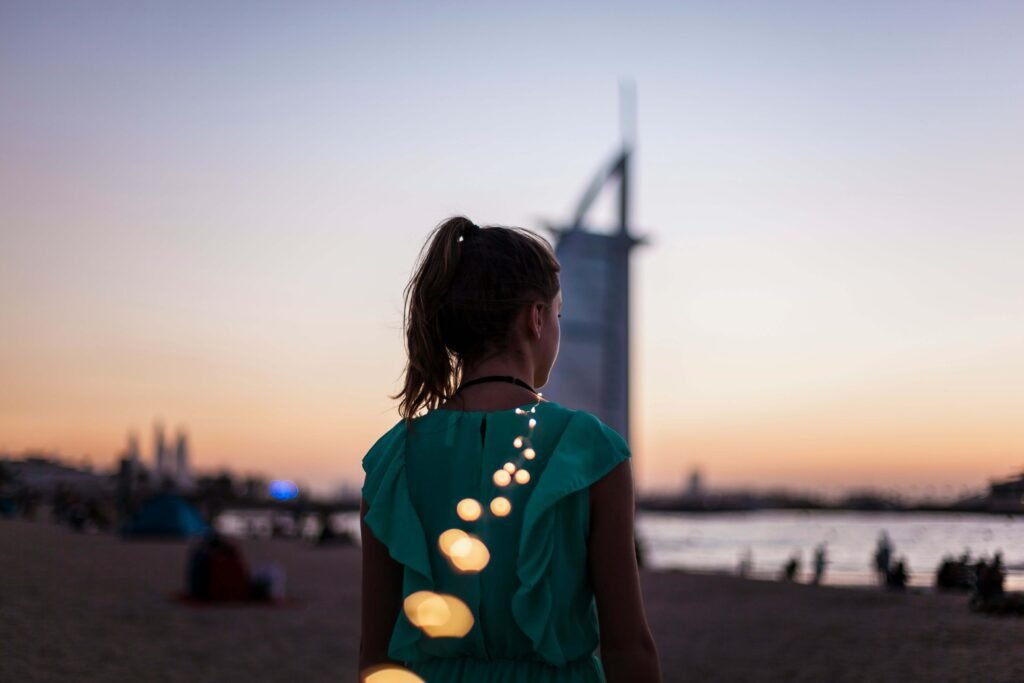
<point>381,597</point>
<point>628,652</point>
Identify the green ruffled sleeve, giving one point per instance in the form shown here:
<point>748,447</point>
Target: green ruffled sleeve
<point>587,450</point>
<point>394,521</point>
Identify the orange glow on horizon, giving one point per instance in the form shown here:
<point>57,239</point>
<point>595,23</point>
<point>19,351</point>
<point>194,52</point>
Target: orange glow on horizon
<point>796,334</point>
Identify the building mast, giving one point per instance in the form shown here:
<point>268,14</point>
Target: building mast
<point>592,371</point>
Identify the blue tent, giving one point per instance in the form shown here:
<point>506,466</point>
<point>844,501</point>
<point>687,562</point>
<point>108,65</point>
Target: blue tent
<point>168,515</point>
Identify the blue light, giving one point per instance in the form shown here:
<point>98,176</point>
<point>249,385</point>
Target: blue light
<point>283,489</point>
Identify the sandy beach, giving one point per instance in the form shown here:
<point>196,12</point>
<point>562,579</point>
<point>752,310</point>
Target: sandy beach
<point>77,607</point>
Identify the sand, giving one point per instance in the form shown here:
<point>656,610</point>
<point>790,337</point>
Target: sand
<point>76,607</point>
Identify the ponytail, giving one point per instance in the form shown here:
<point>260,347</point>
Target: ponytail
<point>430,374</point>
<point>462,301</point>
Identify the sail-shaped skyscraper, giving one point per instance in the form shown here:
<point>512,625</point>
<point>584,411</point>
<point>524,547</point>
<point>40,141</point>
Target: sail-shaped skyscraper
<point>592,370</point>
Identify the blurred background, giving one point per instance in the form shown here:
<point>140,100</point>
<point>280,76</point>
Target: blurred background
<point>208,213</point>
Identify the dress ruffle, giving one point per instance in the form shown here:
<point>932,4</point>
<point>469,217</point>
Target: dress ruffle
<point>587,451</point>
<point>394,521</point>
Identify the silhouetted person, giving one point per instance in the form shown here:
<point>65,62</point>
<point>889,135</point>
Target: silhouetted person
<point>216,570</point>
<point>746,563</point>
<point>897,576</point>
<point>883,557</point>
<point>953,574</point>
<point>62,502</point>
<point>791,568</point>
<point>820,560</point>
<point>989,578</point>
<point>76,515</point>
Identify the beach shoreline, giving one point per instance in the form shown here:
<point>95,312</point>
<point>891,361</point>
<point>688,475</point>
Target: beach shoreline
<point>80,607</point>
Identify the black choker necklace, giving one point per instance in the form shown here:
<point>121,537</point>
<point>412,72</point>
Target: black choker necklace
<point>495,378</point>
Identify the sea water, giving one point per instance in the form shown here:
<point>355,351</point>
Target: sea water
<point>717,541</point>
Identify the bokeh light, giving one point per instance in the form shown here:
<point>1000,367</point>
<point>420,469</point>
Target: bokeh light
<point>468,509</point>
<point>522,476</point>
<point>509,467</point>
<point>502,478</point>
<point>439,615</point>
<point>446,539</point>
<point>529,453</point>
<point>469,554</point>
<point>426,608</point>
<point>389,673</point>
<point>283,489</point>
<point>501,506</point>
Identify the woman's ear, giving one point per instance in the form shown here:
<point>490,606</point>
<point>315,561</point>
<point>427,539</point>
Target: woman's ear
<point>536,319</point>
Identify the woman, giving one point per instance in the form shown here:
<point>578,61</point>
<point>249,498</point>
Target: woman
<point>496,522</point>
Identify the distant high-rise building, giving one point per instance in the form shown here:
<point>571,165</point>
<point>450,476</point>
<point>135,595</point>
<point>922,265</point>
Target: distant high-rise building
<point>160,451</point>
<point>592,371</point>
<point>130,474</point>
<point>132,452</point>
<point>182,475</point>
<point>695,485</point>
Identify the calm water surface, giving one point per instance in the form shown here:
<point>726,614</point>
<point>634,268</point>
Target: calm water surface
<point>716,541</point>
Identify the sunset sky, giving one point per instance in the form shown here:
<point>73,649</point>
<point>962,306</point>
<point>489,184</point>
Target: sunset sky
<point>208,214</point>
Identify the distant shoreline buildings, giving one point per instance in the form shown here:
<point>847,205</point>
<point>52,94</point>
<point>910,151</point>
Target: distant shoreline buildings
<point>38,472</point>
<point>170,468</point>
<point>1007,495</point>
<point>1002,497</point>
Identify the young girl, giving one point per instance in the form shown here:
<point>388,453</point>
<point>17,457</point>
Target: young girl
<point>493,522</point>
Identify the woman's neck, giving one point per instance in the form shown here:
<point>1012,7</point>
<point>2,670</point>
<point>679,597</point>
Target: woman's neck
<point>505,366</point>
<point>494,395</point>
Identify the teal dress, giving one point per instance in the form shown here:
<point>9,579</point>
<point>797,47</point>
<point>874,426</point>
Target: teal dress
<point>532,605</point>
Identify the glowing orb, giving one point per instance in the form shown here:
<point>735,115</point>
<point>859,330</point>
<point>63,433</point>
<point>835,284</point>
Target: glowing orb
<point>469,554</point>
<point>389,673</point>
<point>518,442</point>
<point>438,614</point>
<point>500,506</point>
<point>426,608</point>
<point>282,489</point>
<point>446,539</point>
<point>509,467</point>
<point>529,453</point>
<point>468,509</point>
<point>520,411</point>
<point>502,478</point>
<point>533,422</point>
<point>522,476</point>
